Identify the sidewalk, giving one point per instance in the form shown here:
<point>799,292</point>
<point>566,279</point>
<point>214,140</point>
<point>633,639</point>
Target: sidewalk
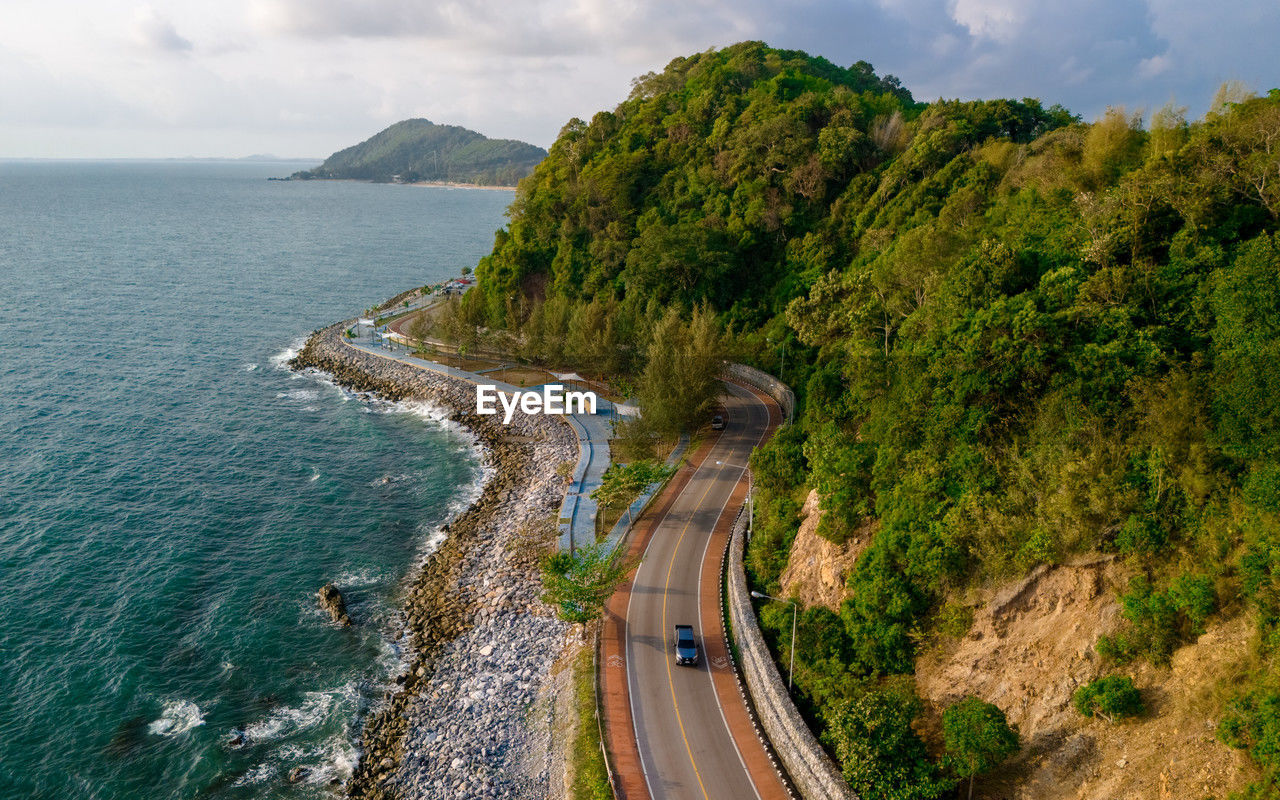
<point>578,511</point>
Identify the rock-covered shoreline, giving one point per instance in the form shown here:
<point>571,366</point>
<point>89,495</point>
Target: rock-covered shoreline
<point>470,716</point>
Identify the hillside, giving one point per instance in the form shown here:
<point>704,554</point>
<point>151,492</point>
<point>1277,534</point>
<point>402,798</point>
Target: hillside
<point>1020,341</point>
<point>419,150</point>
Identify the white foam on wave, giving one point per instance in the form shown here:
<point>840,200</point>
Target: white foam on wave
<point>300,395</point>
<point>315,708</point>
<point>258,775</point>
<point>179,716</point>
<point>434,414</point>
<point>336,758</point>
<point>250,367</point>
<point>464,498</point>
<point>359,579</point>
<point>281,360</point>
<point>387,480</point>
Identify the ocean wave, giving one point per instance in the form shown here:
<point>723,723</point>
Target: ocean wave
<point>250,367</point>
<point>315,709</point>
<point>258,775</point>
<point>464,498</point>
<point>178,717</point>
<point>359,579</point>
<point>334,758</point>
<point>301,395</point>
<point>281,360</point>
<point>387,480</point>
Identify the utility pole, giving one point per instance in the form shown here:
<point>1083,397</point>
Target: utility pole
<point>791,672</point>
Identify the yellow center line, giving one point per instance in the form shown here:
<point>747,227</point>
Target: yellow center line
<point>670,678</point>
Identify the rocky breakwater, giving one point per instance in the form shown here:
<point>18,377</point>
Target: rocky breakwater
<point>470,717</point>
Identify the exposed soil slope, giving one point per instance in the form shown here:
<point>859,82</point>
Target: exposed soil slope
<point>1031,645</point>
<point>817,569</point>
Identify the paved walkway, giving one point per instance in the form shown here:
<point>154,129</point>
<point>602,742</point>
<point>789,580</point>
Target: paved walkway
<point>578,511</point>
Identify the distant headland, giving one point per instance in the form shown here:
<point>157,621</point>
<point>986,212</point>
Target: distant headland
<point>419,151</point>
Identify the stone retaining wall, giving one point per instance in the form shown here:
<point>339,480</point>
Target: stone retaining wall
<point>766,383</point>
<point>812,771</point>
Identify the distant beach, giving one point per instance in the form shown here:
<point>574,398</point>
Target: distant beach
<point>454,185</point>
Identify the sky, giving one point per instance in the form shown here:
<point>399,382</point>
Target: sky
<point>303,78</point>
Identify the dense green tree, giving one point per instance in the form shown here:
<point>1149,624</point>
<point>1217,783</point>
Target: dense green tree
<point>1015,336</point>
<point>1246,351</point>
<point>681,380</point>
<point>578,584</point>
<point>978,738</point>
<point>880,753</point>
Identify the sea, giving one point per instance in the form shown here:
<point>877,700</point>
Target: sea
<point>172,496</point>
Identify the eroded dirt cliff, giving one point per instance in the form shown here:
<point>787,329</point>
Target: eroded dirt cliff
<point>1032,643</point>
<point>817,569</point>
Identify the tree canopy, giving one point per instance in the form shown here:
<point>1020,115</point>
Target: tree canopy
<point>1015,336</point>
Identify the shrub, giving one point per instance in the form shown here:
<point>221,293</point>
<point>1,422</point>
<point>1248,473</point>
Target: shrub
<point>1111,698</point>
<point>1160,621</point>
<point>954,620</point>
<point>1140,536</point>
<point>1252,722</point>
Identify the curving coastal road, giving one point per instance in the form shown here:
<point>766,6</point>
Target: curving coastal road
<point>691,731</point>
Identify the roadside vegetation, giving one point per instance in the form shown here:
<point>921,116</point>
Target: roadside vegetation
<point>669,356</point>
<point>578,584</point>
<point>589,775</point>
<point>621,485</point>
<point>1015,336</point>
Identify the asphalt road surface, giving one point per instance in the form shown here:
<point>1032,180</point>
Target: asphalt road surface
<point>686,749</point>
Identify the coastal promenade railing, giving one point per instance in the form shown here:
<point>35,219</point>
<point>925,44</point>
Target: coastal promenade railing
<point>569,507</point>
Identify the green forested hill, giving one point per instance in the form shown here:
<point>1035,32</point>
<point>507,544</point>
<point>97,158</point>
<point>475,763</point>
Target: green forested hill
<point>419,150</point>
<point>1016,336</point>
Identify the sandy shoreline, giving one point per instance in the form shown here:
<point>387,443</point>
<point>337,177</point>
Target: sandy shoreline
<point>453,185</point>
<point>443,184</point>
<point>463,721</point>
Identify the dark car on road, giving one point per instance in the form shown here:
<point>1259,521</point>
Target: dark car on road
<point>717,423</point>
<point>686,645</point>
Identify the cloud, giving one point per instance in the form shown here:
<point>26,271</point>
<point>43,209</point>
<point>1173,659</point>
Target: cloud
<point>990,19</point>
<point>1155,65</point>
<point>153,32</point>
<point>538,28</point>
<point>311,76</point>
<point>31,96</point>
<point>329,18</point>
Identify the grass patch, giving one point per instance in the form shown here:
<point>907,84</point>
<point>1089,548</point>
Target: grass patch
<point>461,362</point>
<point>386,317</point>
<point>586,760</point>
<point>522,376</point>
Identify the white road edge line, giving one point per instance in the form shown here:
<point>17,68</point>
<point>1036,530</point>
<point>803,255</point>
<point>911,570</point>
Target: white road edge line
<point>631,688</point>
<point>702,627</point>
